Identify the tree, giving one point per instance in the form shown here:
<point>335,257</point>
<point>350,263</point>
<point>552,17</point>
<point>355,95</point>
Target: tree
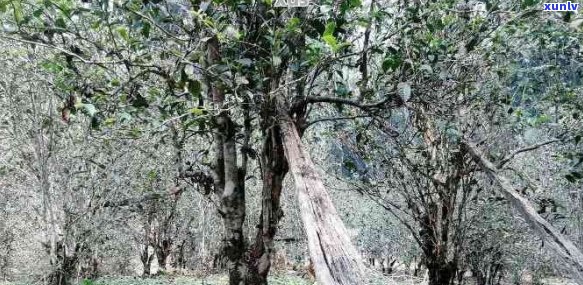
<point>114,68</point>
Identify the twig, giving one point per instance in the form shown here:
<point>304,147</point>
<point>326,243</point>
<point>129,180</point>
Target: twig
<point>335,119</point>
<point>325,99</point>
<point>157,26</point>
<point>509,157</point>
<point>82,59</point>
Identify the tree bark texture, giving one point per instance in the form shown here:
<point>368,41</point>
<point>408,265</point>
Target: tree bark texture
<point>335,259</point>
<point>228,186</point>
<point>274,169</point>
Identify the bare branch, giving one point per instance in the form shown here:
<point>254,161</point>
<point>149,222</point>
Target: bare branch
<point>392,100</point>
<point>333,119</point>
<point>509,157</point>
<point>132,201</point>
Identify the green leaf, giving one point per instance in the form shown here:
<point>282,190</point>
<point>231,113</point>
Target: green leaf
<point>123,33</point>
<point>293,24</point>
<point>140,102</point>
<point>329,30</point>
<point>330,40</point>
<point>18,15</point>
<point>544,118</point>
<point>196,111</point>
<point>528,3</point>
<point>194,87</point>
<point>294,21</point>
<point>152,175</point>
<point>146,27</point>
<point>95,25</point>
<point>115,82</point>
<point>37,13</point>
<point>51,67</point>
<point>60,22</point>
<point>3,5</point>
<point>349,165</point>
<point>135,133</point>
<point>355,3</point>
<point>95,122</point>
<point>110,122</point>
<point>348,5</point>
<point>392,62</point>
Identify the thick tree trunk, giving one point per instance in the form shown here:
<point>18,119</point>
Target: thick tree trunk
<point>435,251</point>
<point>233,211</point>
<point>67,263</point>
<point>228,185</point>
<point>562,246</point>
<point>441,273</point>
<point>274,168</point>
<point>232,204</point>
<point>335,259</point>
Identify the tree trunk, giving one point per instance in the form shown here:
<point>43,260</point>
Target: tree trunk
<point>146,259</point>
<point>336,260</point>
<point>233,208</point>
<point>162,253</point>
<point>67,262</point>
<point>480,278</point>
<point>274,171</point>
<point>562,246</point>
<point>179,261</point>
<point>228,184</point>
<point>435,251</point>
<point>441,273</point>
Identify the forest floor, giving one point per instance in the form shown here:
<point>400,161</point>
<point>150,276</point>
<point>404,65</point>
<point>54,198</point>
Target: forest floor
<point>277,279</point>
<point>179,280</point>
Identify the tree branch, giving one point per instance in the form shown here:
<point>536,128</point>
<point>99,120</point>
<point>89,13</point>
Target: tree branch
<point>335,119</point>
<point>392,100</point>
<point>132,201</point>
<point>509,157</point>
<point>82,59</point>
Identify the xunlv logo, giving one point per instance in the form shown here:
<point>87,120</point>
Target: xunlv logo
<point>291,3</point>
<point>561,6</point>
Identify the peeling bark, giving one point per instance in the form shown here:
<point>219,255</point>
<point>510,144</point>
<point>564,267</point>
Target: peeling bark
<point>335,259</point>
<point>562,246</point>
